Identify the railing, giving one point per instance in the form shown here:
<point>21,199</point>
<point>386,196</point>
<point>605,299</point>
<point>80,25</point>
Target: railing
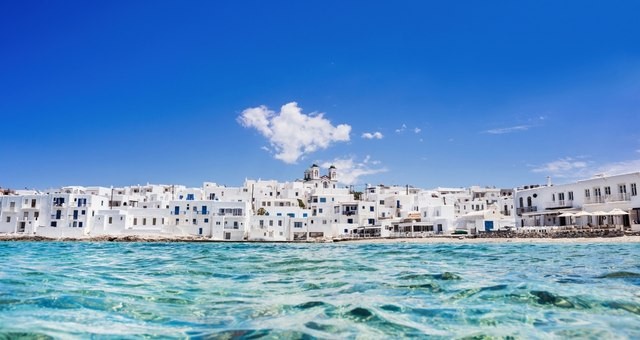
<point>607,198</point>
<point>527,210</point>
<point>560,203</point>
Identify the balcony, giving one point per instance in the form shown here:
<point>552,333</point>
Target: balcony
<point>560,204</point>
<point>607,198</point>
<point>527,210</point>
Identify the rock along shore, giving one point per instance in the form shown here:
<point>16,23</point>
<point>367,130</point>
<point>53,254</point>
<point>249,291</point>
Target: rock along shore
<point>567,236</point>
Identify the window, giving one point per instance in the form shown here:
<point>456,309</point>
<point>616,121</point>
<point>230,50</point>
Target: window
<point>570,195</point>
<point>323,200</point>
<point>350,221</point>
<point>587,193</point>
<point>634,190</point>
<point>596,192</point>
<point>8,219</point>
<point>271,223</point>
<point>54,224</point>
<point>135,221</point>
<point>607,190</point>
<point>297,224</point>
<point>154,221</point>
<point>382,202</point>
<point>561,196</point>
<point>206,220</point>
<point>262,223</point>
<point>553,197</point>
<point>279,223</point>
<point>110,219</point>
<point>371,208</point>
<point>144,221</point>
<point>622,188</point>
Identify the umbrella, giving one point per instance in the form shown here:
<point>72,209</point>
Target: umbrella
<point>617,212</point>
<point>582,213</point>
<point>566,214</point>
<point>600,213</point>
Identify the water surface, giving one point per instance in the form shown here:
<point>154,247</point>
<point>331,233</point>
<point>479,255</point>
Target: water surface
<point>235,290</point>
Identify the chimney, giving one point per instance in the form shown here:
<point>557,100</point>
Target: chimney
<point>548,181</point>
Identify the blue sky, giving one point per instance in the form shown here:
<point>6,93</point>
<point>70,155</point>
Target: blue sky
<point>462,93</point>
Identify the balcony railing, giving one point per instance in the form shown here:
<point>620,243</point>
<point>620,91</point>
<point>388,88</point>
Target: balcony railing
<point>560,204</point>
<point>607,198</point>
<point>527,210</point>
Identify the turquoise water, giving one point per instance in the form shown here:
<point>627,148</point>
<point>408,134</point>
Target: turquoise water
<point>222,290</point>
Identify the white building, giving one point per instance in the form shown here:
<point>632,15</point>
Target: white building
<point>595,199</point>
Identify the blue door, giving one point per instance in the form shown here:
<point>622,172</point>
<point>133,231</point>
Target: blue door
<point>488,225</point>
<point>176,210</point>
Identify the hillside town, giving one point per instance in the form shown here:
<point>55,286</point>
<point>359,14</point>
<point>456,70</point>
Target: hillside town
<point>317,208</point>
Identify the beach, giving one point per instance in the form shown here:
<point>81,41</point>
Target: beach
<point>426,240</point>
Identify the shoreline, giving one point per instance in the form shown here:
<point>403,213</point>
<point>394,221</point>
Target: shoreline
<point>425,240</point>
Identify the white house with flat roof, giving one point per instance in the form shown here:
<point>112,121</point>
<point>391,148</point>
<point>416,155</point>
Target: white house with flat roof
<point>601,200</point>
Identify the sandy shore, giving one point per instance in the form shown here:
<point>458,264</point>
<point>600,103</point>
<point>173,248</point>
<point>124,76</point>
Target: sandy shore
<point>459,240</point>
<point>432,240</point>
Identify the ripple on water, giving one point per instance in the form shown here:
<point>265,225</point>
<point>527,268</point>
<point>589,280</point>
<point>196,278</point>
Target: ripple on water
<point>221,290</point>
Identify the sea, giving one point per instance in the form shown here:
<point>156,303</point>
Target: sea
<point>106,290</point>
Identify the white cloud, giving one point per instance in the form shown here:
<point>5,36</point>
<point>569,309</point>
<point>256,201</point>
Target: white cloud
<point>417,130</point>
<point>400,130</point>
<point>375,135</point>
<point>291,133</point>
<point>510,129</point>
<point>575,168</point>
<point>561,167</point>
<point>617,168</point>
<point>350,171</point>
